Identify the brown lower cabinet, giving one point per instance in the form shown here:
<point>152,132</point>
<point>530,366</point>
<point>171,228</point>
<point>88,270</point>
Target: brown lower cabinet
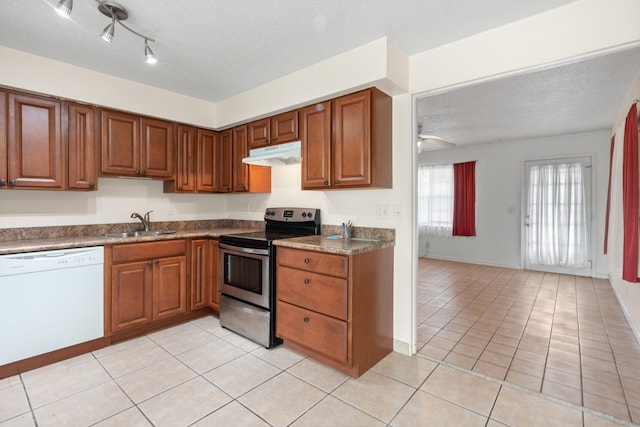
<point>148,283</point>
<point>335,308</point>
<point>204,274</point>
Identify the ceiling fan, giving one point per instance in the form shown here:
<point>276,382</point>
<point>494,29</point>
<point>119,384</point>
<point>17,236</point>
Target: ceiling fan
<point>428,142</point>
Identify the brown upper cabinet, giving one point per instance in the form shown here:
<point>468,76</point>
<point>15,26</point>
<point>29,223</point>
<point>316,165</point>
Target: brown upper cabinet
<point>240,149</point>
<point>35,144</point>
<point>83,136</point>
<point>225,162</point>
<point>247,178</point>
<point>136,146</point>
<point>208,158</point>
<point>273,130</point>
<point>3,139</point>
<point>347,143</point>
<point>197,162</point>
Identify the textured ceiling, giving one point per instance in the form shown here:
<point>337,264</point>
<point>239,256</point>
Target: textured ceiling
<point>573,97</point>
<point>214,49</point>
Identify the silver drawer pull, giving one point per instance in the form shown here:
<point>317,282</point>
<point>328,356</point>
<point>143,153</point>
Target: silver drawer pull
<point>306,320</point>
<point>306,260</point>
<point>306,281</point>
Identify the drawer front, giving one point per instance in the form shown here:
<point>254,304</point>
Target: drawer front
<point>322,334</point>
<point>334,265</point>
<point>148,250</point>
<point>317,292</point>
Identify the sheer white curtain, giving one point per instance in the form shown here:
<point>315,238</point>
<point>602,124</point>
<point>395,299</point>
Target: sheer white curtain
<point>435,200</point>
<point>557,220</point>
<point>615,250</point>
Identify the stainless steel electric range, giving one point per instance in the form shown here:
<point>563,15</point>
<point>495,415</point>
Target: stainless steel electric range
<point>248,272</point>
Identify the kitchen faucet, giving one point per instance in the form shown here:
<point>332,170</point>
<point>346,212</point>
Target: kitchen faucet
<point>145,220</point>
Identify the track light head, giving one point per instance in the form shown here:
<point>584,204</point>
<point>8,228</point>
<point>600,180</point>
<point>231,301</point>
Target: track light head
<point>108,32</point>
<point>64,8</point>
<point>148,53</point>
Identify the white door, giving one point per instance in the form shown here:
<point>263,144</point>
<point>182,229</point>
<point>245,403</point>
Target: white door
<point>557,228</point>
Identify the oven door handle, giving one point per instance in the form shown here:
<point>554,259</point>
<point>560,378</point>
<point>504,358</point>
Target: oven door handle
<point>244,250</point>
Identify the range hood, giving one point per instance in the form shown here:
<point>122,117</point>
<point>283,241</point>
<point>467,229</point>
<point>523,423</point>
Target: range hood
<point>275,155</point>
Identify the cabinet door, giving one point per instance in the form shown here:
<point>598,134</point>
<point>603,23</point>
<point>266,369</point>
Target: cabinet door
<point>120,143</point>
<point>315,133</point>
<point>35,150</point>
<point>83,173</point>
<point>186,161</point>
<point>201,274</point>
<point>214,291</point>
<point>3,139</point>
<point>258,133</point>
<point>156,152</point>
<point>320,334</point>
<point>239,151</point>
<point>284,127</point>
<point>352,140</point>
<point>131,287</point>
<point>225,170</point>
<point>169,287</point>
<point>208,160</point>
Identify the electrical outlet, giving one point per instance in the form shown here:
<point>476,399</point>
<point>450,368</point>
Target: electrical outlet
<point>171,211</point>
<point>396,213</point>
<point>382,211</point>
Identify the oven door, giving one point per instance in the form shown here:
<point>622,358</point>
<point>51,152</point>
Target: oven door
<point>244,274</point>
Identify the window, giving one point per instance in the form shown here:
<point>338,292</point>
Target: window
<point>435,199</point>
<point>447,200</point>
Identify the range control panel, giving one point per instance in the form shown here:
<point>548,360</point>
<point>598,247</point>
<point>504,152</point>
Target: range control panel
<point>292,214</point>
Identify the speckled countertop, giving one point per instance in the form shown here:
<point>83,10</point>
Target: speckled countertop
<point>32,239</point>
<point>341,246</point>
<point>47,244</point>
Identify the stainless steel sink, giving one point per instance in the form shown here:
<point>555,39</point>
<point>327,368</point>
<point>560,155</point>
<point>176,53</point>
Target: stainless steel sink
<point>137,234</point>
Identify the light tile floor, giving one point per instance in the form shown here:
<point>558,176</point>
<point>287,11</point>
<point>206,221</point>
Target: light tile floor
<point>198,374</point>
<point>563,336</point>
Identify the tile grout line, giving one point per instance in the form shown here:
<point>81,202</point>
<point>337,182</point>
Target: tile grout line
<point>504,383</point>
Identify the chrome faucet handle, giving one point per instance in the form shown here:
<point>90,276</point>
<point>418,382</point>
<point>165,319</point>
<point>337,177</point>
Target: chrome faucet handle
<point>146,216</point>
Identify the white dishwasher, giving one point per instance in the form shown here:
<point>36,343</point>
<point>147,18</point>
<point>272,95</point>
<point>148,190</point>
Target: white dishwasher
<point>50,300</point>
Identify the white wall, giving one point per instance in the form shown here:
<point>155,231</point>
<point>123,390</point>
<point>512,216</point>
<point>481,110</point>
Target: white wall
<point>578,28</point>
<point>114,202</point>
<point>628,293</point>
<point>499,177</point>
<point>38,74</point>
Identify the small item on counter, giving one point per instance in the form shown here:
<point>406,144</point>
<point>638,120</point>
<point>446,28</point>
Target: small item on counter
<point>335,236</point>
<point>346,230</point>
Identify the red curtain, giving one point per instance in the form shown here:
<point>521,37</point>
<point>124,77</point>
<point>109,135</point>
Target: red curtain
<point>606,220</point>
<point>630,197</point>
<point>464,199</point>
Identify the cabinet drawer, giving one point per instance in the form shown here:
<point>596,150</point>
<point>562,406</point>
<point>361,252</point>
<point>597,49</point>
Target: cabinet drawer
<point>334,265</point>
<point>147,250</point>
<point>322,334</point>
<point>317,292</point>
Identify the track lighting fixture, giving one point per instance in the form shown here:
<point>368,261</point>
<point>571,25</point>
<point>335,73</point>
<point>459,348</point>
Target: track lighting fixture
<point>109,31</point>
<point>148,53</point>
<point>64,8</point>
<point>117,14</point>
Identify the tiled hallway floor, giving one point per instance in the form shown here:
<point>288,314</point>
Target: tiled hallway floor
<point>198,374</point>
<point>563,336</point>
